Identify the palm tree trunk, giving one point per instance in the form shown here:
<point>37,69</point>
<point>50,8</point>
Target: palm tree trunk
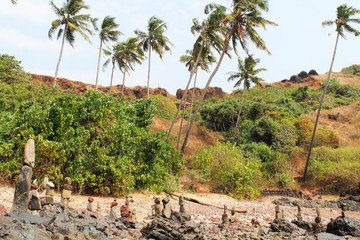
<point>204,91</point>
<point>238,117</point>
<point>319,110</point>
<point>148,80</point>
<point>192,98</point>
<point>98,68</point>
<point>61,52</point>
<point>112,76</point>
<point>181,124</point>
<point>186,90</point>
<point>123,84</point>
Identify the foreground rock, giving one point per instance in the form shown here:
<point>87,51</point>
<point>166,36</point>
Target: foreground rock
<point>344,226</point>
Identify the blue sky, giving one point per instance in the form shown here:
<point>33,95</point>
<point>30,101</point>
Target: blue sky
<point>298,43</point>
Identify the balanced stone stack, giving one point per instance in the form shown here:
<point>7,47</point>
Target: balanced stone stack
<point>35,203</point>
<point>166,212</point>
<point>49,192</point>
<point>66,192</point>
<point>23,183</point>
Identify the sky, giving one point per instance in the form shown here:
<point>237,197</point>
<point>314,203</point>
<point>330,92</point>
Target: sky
<point>298,43</point>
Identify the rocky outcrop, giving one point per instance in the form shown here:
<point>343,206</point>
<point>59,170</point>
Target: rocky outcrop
<point>211,92</point>
<point>344,226</point>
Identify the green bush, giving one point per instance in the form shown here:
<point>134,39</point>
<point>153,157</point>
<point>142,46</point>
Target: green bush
<point>165,108</point>
<point>102,143</point>
<point>353,70</point>
<point>336,170</point>
<point>225,167</point>
<point>11,71</point>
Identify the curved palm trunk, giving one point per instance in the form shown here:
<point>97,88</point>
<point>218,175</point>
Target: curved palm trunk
<point>319,110</point>
<point>123,84</point>
<point>98,68</point>
<point>61,52</point>
<point>181,124</point>
<point>186,90</point>
<point>192,99</point>
<point>148,80</point>
<point>204,91</point>
<point>238,117</point>
<point>112,76</point>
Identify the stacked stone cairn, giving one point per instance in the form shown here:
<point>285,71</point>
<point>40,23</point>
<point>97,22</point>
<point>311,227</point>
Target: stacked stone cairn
<point>49,191</point>
<point>23,183</point>
<point>225,217</point>
<point>66,192</point>
<point>35,203</point>
<point>89,205</point>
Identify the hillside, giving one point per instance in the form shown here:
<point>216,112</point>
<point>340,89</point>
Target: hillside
<point>343,78</point>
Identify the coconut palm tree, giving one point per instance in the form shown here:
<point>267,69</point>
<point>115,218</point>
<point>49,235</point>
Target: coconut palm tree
<point>72,22</point>
<point>345,16</point>
<point>208,38</point>
<point>107,33</point>
<point>113,55</point>
<point>246,75</point>
<point>237,26</point>
<point>14,2</point>
<point>204,61</point>
<point>128,54</point>
<point>154,39</point>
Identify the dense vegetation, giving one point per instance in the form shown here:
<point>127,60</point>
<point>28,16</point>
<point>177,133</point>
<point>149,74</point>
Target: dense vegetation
<point>101,142</point>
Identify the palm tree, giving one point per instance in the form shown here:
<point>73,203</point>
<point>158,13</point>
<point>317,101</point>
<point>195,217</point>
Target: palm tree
<point>155,40</point>
<point>14,2</point>
<point>238,25</point>
<point>247,74</point>
<point>344,18</point>
<point>128,54</point>
<point>72,21</point>
<point>107,34</point>
<point>112,59</point>
<point>208,38</point>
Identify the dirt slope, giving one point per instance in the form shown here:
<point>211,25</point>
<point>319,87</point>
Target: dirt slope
<point>347,127</point>
<point>343,78</point>
<point>199,138</point>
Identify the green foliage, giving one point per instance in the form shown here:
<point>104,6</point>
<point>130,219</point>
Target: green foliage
<point>353,70</point>
<point>229,171</point>
<point>165,108</point>
<point>336,169</point>
<point>11,70</point>
<point>102,143</point>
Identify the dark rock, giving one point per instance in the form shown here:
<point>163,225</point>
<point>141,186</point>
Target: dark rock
<point>282,225</point>
<point>22,190</point>
<point>27,217</point>
<point>328,236</point>
<point>344,226</point>
<point>294,78</point>
<point>129,223</point>
<point>312,72</point>
<point>302,224</point>
<point>303,74</point>
<point>283,202</point>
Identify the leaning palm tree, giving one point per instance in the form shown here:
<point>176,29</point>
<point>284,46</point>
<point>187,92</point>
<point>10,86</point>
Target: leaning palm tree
<point>208,38</point>
<point>343,20</point>
<point>107,33</point>
<point>72,22</point>
<point>204,61</point>
<point>128,54</point>
<point>237,26</point>
<point>246,75</point>
<point>154,39</point>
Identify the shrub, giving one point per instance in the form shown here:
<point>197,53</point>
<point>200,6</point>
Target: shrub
<point>165,108</point>
<point>336,169</point>
<point>353,70</point>
<point>11,71</point>
<point>225,167</point>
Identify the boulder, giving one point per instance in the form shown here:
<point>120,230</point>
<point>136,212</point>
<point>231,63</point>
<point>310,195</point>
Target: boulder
<point>328,236</point>
<point>303,74</point>
<point>312,72</point>
<point>283,225</point>
<point>22,190</point>
<point>29,153</point>
<point>344,226</point>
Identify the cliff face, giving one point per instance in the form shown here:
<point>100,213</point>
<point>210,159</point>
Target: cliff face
<point>81,88</point>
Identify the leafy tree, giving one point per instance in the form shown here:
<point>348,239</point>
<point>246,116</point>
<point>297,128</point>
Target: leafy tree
<point>247,74</point>
<point>238,25</point>
<point>154,39</point>
<point>72,22</point>
<point>128,53</point>
<point>11,71</point>
<point>107,34</point>
<point>342,22</point>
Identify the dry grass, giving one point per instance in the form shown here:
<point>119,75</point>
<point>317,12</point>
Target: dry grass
<point>347,127</point>
<point>343,78</point>
<point>199,138</point>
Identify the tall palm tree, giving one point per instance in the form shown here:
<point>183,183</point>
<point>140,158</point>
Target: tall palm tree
<point>128,54</point>
<point>237,26</point>
<point>107,33</point>
<point>72,22</point>
<point>208,38</point>
<point>14,1</point>
<point>246,75</point>
<point>204,61</point>
<point>154,39</point>
<point>112,59</point>
<point>343,20</point>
